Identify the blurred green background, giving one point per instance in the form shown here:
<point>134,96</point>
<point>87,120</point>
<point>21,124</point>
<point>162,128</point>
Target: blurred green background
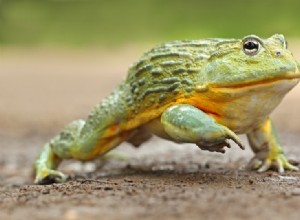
<point>113,22</point>
<point>60,57</point>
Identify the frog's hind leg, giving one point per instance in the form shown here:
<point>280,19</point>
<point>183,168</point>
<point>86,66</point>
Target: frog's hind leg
<point>85,140</point>
<point>70,143</point>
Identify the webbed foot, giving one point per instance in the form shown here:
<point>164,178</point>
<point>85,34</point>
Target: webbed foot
<point>220,147</point>
<point>263,161</point>
<point>268,151</point>
<point>48,176</point>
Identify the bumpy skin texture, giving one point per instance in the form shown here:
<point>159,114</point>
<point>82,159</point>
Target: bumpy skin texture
<point>202,91</point>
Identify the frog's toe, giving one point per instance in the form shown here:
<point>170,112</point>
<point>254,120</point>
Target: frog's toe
<point>50,176</point>
<point>279,162</point>
<point>265,165</point>
<point>219,147</point>
<point>286,164</point>
<point>50,179</point>
<point>231,135</point>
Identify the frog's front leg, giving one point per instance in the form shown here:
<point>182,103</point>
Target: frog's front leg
<point>268,152</point>
<point>186,123</point>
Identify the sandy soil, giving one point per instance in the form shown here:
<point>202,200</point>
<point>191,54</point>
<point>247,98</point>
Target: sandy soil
<point>41,90</point>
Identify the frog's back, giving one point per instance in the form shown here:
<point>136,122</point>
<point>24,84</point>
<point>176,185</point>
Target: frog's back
<point>161,77</point>
<point>167,73</point>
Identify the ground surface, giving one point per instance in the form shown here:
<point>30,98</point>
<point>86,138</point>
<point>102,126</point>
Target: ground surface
<point>41,91</point>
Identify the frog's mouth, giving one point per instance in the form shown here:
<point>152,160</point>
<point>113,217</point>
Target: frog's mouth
<point>292,79</point>
<point>291,76</point>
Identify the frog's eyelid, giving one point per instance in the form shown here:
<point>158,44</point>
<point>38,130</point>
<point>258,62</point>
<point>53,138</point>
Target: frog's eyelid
<point>253,37</point>
<point>285,44</point>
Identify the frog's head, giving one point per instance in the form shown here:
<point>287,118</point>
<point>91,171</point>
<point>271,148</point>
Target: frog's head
<point>251,61</point>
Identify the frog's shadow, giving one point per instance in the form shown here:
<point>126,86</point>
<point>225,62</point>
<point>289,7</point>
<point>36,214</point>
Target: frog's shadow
<point>164,173</point>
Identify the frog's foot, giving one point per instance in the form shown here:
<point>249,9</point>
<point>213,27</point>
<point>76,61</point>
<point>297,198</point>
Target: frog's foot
<point>264,161</point>
<point>220,147</point>
<point>48,176</point>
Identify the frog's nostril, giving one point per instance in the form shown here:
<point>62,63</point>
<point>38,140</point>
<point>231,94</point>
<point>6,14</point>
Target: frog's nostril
<point>278,53</point>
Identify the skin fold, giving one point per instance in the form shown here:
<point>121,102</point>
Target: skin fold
<point>198,91</point>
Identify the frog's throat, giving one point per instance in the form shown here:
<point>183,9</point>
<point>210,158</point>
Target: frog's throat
<point>258,83</point>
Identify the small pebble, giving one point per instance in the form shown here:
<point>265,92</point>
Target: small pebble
<point>107,188</point>
<point>294,162</point>
<point>45,191</point>
<point>207,165</point>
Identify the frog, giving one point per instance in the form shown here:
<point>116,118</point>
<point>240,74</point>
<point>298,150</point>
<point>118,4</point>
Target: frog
<point>205,92</point>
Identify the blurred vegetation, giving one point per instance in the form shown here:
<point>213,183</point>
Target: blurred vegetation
<point>110,22</point>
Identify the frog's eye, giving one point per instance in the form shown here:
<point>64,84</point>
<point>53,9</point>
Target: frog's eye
<point>251,47</point>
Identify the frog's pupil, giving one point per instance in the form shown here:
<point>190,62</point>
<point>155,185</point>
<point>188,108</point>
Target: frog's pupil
<point>251,45</point>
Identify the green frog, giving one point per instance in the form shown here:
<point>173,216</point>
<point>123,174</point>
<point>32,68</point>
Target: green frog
<point>192,91</point>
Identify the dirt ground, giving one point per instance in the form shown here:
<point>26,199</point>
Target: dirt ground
<point>41,90</point>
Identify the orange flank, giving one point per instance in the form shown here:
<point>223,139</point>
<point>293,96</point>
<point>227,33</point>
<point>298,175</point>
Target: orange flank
<point>208,102</point>
<point>104,145</point>
<point>112,130</point>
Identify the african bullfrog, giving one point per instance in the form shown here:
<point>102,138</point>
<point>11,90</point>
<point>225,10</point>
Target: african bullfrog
<point>192,91</point>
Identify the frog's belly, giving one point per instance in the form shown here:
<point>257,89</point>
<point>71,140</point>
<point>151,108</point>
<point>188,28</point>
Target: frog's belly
<point>242,109</point>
